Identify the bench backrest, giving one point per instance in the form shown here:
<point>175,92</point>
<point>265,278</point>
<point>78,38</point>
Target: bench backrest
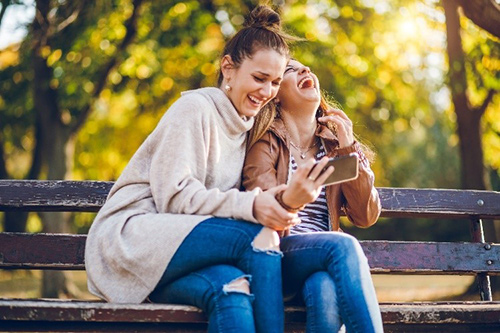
<point>63,251</point>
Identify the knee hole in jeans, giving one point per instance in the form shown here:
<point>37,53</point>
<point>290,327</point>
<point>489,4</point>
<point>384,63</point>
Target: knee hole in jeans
<point>239,285</point>
<point>267,240</point>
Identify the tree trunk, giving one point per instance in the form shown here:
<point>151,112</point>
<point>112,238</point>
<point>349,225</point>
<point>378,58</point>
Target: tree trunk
<point>468,119</point>
<point>53,138</point>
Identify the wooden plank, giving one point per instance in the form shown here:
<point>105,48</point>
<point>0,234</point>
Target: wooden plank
<point>42,251</point>
<point>432,257</point>
<point>53,195</point>
<point>400,202</point>
<point>440,314</point>
<point>58,195</point>
<point>64,251</point>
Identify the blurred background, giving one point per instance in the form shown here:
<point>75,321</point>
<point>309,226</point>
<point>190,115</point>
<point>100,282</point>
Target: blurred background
<point>82,84</point>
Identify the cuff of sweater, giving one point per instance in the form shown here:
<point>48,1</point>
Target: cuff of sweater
<point>244,210</point>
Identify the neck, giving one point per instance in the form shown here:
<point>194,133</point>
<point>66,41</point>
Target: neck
<point>301,127</point>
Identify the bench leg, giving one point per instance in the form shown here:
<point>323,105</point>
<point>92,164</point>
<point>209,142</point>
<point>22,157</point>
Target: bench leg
<point>483,280</point>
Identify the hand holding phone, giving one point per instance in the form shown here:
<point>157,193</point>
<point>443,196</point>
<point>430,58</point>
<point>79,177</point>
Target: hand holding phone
<point>345,169</point>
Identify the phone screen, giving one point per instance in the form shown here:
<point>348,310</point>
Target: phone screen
<point>346,168</point>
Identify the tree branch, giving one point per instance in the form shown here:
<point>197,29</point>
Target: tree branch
<point>486,102</point>
<point>69,20</point>
<point>131,28</point>
<point>484,13</point>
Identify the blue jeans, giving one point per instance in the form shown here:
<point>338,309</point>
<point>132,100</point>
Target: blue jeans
<point>332,272</point>
<point>217,252</point>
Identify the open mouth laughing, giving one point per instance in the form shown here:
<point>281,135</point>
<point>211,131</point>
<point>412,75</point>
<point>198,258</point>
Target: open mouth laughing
<point>306,82</point>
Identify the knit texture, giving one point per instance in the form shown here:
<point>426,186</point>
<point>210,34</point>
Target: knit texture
<point>187,170</point>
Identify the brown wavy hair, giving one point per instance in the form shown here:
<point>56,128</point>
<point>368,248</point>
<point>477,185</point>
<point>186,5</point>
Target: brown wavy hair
<point>261,30</point>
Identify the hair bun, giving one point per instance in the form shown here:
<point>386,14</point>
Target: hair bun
<point>263,17</point>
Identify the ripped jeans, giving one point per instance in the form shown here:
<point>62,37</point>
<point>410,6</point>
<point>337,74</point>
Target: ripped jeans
<point>211,270</point>
<point>331,273</point>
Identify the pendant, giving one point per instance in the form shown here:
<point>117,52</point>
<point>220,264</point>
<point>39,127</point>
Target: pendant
<point>302,155</point>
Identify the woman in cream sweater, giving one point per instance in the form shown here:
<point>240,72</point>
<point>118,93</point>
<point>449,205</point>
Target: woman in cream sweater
<point>157,238</point>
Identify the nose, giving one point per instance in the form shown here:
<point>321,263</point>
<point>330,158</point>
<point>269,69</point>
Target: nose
<point>267,90</point>
<point>305,69</point>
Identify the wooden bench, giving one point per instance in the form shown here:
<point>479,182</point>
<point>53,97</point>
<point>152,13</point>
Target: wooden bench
<point>66,252</point>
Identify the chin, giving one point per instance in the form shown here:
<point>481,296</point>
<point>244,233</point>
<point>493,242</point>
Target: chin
<point>250,114</point>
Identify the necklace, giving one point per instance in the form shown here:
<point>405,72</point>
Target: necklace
<point>303,154</point>
<point>307,149</point>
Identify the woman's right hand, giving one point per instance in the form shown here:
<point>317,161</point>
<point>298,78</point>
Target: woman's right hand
<point>268,211</point>
<point>305,184</point>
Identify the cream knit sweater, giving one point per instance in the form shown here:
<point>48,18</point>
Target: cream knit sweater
<point>188,169</point>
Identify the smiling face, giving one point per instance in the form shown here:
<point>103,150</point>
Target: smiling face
<point>299,86</point>
<point>255,82</point>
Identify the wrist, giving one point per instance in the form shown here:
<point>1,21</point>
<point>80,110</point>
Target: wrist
<point>279,198</point>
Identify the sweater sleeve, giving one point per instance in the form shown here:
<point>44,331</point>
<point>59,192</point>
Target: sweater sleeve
<point>362,202</point>
<point>178,169</point>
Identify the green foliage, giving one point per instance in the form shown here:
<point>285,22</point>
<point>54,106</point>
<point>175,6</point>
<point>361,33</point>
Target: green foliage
<point>383,61</point>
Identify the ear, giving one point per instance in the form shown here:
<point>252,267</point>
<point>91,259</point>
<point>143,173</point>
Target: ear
<point>226,66</point>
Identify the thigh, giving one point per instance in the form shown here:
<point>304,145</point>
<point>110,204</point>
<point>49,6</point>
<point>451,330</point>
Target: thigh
<point>214,241</point>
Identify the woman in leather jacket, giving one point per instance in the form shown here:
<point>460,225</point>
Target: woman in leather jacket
<point>326,267</point>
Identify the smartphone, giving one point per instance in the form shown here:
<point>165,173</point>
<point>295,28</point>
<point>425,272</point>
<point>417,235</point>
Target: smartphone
<point>346,168</point>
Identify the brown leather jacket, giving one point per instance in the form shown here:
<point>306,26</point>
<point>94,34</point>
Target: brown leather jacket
<point>267,165</point>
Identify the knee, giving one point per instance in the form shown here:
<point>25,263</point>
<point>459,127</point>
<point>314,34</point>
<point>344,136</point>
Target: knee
<point>225,285</point>
<point>239,285</point>
<point>267,240</point>
<point>350,244</point>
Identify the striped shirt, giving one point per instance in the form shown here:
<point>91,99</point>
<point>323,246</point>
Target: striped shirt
<point>314,216</point>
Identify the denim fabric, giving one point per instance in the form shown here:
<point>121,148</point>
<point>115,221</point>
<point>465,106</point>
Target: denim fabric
<point>227,311</point>
<point>320,298</point>
<point>210,249</point>
<point>350,289</point>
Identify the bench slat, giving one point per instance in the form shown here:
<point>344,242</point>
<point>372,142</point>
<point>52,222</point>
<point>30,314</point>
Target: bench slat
<point>479,314</point>
<point>58,195</point>
<point>64,251</point>
<point>443,203</point>
<point>53,195</point>
<point>42,251</point>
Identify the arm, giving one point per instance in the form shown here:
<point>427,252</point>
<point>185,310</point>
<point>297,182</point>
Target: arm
<point>179,147</point>
<point>261,170</point>
<point>361,201</point>
<point>261,159</point>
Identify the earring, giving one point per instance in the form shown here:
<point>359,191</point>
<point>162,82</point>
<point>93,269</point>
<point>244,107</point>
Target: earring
<point>227,87</point>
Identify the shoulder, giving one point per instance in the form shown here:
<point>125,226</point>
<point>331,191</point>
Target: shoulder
<point>197,101</point>
<point>193,107</point>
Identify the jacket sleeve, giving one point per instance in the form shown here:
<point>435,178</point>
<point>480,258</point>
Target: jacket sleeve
<point>361,201</point>
<point>260,164</point>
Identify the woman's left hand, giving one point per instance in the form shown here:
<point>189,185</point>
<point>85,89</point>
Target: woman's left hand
<point>343,125</point>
